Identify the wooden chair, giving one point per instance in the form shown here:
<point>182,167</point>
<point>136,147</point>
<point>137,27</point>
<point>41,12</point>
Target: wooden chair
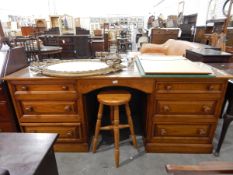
<point>31,46</point>
<point>215,167</point>
<point>35,51</point>
<point>114,99</point>
<point>227,117</point>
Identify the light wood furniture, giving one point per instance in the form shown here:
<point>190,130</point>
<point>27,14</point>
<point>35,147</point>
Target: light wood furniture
<point>212,167</point>
<point>180,114</point>
<point>114,99</point>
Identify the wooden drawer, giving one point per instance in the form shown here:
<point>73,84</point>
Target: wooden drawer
<point>192,87</point>
<point>183,133</point>
<point>7,127</point>
<point>49,107</point>
<point>203,107</point>
<point>68,132</point>
<point>45,87</point>
<point>44,90</point>
<point>4,112</point>
<point>87,85</point>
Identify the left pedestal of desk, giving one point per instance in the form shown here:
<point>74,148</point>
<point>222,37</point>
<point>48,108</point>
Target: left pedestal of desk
<point>28,153</point>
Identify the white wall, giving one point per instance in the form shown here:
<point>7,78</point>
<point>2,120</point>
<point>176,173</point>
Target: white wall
<point>105,8</point>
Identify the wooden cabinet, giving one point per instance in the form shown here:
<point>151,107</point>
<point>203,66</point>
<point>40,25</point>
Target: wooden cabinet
<point>73,46</point>
<point>160,36</point>
<point>185,115</point>
<point>50,107</point>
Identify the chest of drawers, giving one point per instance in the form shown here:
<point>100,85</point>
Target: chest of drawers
<point>185,115</point>
<point>50,107</point>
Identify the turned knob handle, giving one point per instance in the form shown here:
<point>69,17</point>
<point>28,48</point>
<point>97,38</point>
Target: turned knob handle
<point>210,87</point>
<point>70,133</point>
<point>202,132</point>
<point>29,109</point>
<point>168,87</point>
<point>24,88</point>
<point>166,108</point>
<point>64,88</point>
<point>206,109</point>
<point>67,108</point>
<point>163,132</point>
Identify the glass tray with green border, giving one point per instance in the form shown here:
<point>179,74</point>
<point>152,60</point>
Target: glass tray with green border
<point>142,73</point>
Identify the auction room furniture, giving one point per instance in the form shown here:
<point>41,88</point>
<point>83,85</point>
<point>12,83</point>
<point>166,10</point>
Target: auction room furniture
<point>47,52</point>
<point>187,27</point>
<point>161,35</point>
<point>227,117</point>
<point>180,113</point>
<point>11,60</point>
<point>208,55</point>
<point>28,153</point>
<point>73,46</point>
<point>211,167</point>
<point>31,46</point>
<point>114,99</point>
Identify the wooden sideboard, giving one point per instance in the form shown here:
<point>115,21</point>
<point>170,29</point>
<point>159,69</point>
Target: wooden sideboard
<point>73,46</point>
<point>180,114</point>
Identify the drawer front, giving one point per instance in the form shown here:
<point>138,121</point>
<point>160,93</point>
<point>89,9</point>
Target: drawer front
<point>181,130</point>
<point>87,85</point>
<point>68,132</point>
<point>180,87</point>
<point>49,107</point>
<point>45,87</point>
<point>186,107</point>
<point>4,112</point>
<point>7,127</point>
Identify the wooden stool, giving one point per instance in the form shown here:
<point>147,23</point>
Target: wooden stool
<point>114,99</point>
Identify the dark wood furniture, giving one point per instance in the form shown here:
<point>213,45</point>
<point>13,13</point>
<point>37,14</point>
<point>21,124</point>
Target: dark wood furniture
<point>179,114</point>
<point>28,153</point>
<point>10,60</point>
<point>227,116</point>
<point>114,99</point>
<point>50,52</point>
<point>215,167</point>
<point>73,46</point>
<point>208,55</point>
<point>188,27</point>
<point>97,46</point>
<point>160,36</point>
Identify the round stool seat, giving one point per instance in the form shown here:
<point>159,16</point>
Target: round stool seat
<point>114,97</point>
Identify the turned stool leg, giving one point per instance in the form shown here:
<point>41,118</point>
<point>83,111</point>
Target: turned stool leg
<point>128,113</point>
<point>97,128</point>
<point>116,135</point>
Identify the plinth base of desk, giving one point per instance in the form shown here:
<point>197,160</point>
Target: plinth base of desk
<point>178,148</point>
<point>71,147</point>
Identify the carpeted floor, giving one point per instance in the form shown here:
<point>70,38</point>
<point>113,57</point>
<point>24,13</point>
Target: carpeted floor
<point>134,162</point>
